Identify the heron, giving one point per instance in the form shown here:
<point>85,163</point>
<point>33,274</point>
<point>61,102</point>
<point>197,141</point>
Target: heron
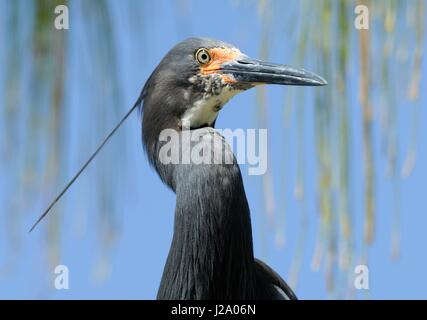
<point>211,254</point>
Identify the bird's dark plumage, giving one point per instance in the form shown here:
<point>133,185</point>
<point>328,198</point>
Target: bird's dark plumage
<point>211,255</point>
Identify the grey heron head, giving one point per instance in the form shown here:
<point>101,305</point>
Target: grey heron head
<point>190,86</point>
<point>198,76</point>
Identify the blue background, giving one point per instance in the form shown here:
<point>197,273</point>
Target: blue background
<point>130,264</point>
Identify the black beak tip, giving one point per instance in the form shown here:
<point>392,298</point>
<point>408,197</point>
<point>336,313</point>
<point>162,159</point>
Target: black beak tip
<point>321,81</point>
<point>313,79</point>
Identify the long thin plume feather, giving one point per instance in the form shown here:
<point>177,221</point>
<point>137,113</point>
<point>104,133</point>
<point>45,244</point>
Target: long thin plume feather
<point>59,196</point>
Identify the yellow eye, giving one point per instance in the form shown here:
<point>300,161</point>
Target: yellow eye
<point>203,56</point>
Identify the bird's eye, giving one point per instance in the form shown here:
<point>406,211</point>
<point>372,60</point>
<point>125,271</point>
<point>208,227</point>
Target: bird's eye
<point>203,56</point>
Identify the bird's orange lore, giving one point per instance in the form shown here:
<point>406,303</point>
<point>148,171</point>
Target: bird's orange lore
<point>218,57</point>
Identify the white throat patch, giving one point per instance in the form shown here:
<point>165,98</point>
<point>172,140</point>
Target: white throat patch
<point>205,111</point>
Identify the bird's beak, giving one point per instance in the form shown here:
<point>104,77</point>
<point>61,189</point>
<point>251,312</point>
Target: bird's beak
<point>253,72</point>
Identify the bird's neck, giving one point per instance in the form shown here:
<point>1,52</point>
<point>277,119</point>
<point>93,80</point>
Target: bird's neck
<point>211,256</point>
